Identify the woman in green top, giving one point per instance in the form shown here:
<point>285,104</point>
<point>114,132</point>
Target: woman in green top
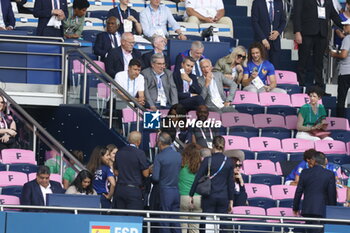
<point>309,114</point>
<point>191,161</point>
<point>73,25</point>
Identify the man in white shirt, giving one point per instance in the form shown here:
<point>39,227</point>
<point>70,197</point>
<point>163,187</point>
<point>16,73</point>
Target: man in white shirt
<point>207,11</point>
<point>34,192</point>
<point>133,82</point>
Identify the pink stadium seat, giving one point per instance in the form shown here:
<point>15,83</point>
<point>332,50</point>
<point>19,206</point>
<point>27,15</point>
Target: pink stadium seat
<point>252,167</point>
<point>265,144</point>
<point>152,140</point>
<point>330,146</point>
<point>54,177</point>
<point>17,156</point>
<point>78,67</point>
<point>341,195</point>
<point>257,190</point>
<point>246,97</point>
<point>248,210</point>
<point>283,191</point>
<point>291,122</point>
<point>269,98</point>
<point>103,91</point>
<point>268,120</point>
<point>229,119</point>
<point>214,115</point>
<point>9,200</point>
<point>128,115</point>
<point>236,142</point>
<point>192,114</point>
<point>282,212</point>
<point>337,123</point>
<point>164,112</point>
<point>286,77</point>
<point>296,145</point>
<point>12,178</point>
<point>299,100</point>
<point>278,169</point>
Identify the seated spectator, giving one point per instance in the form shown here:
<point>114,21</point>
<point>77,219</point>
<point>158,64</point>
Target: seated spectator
<point>82,184</point>
<point>188,89</point>
<point>198,12</point>
<point>191,160</point>
<point>70,173</point>
<point>7,18</point>
<point>158,43</point>
<point>98,165</point>
<point>112,150</point>
<point>54,11</point>
<point>155,18</point>
<point>105,41</point>
<point>212,84</point>
<point>129,18</point>
<point>177,113</point>
<point>118,58</point>
<point>232,65</point>
<point>160,89</point>
<point>73,25</point>
<point>133,82</point>
<point>203,136</point>
<point>312,116</point>
<point>34,192</point>
<point>8,130</point>
<point>196,52</point>
<point>260,69</point>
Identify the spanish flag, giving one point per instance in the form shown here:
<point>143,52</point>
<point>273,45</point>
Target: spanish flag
<point>100,229</point>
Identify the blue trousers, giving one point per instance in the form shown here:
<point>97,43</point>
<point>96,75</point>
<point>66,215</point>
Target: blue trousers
<point>169,201</point>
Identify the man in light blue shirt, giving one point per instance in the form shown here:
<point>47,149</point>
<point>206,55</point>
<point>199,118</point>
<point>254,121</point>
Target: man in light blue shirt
<point>154,20</point>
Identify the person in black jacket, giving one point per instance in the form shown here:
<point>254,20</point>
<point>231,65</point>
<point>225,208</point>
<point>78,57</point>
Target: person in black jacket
<point>220,199</point>
<point>159,44</point>
<point>240,195</point>
<point>188,89</point>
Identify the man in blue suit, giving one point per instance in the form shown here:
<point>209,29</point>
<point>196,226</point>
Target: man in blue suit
<point>319,189</point>
<point>7,21</point>
<point>34,192</point>
<point>44,10</point>
<point>269,21</point>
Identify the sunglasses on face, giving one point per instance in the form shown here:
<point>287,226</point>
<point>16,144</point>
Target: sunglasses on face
<point>241,56</point>
<point>238,165</point>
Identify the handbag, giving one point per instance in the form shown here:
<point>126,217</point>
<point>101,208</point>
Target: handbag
<point>204,183</point>
<point>321,133</point>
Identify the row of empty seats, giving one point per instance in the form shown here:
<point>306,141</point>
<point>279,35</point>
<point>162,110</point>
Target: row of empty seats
<point>12,178</point>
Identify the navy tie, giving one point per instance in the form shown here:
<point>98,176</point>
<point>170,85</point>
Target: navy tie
<point>271,11</point>
<point>197,69</point>
<point>55,4</point>
<point>115,41</point>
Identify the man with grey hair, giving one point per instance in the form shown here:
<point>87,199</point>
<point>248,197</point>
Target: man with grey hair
<point>118,58</point>
<point>158,43</point>
<point>160,89</point>
<point>166,168</point>
<point>212,84</point>
<point>196,52</point>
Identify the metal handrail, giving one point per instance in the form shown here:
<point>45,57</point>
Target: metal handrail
<point>41,130</point>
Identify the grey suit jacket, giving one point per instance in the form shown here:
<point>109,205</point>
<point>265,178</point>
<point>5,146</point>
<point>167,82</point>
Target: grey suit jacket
<point>221,81</point>
<point>151,91</point>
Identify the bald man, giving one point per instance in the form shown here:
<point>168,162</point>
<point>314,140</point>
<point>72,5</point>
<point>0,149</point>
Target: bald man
<point>118,58</point>
<point>131,166</point>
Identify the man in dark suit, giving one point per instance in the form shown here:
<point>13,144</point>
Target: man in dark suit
<point>105,41</point>
<point>160,89</point>
<point>158,43</point>
<point>44,10</point>
<point>132,166</point>
<point>8,18</point>
<point>188,89</point>
<point>269,21</point>
<point>311,18</point>
<point>196,52</point>
<point>118,58</point>
<point>34,192</point>
<point>319,189</point>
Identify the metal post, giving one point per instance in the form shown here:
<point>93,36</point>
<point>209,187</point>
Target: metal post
<point>34,139</point>
<point>65,80</point>
<point>148,223</point>
<point>110,106</point>
<point>85,82</point>
<point>216,226</point>
<point>138,119</point>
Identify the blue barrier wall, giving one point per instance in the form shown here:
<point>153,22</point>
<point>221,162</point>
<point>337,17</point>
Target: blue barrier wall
<point>329,228</point>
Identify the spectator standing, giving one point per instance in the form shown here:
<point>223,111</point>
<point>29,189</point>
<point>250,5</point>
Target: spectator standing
<point>167,165</point>
<point>339,34</point>
<point>310,23</point>
<point>155,18</point>
<point>105,41</point>
<point>191,161</point>
<point>259,68</point>
<point>232,65</point>
<point>158,43</point>
<point>160,89</point>
<point>269,21</point>
<point>98,165</point>
<point>8,129</point>
<point>212,84</point>
<point>112,150</point>
<point>82,184</point>
<point>196,52</point>
<point>199,11</point>
<point>7,18</point>
<point>129,18</point>
<point>54,11</point>
<point>131,166</point>
<point>118,58</point>
<point>73,25</point>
